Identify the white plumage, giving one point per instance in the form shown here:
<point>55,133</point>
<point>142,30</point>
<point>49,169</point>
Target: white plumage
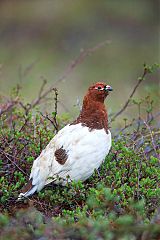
<point>86,151</point>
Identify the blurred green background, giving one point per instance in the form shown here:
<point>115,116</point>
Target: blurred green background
<point>40,38</point>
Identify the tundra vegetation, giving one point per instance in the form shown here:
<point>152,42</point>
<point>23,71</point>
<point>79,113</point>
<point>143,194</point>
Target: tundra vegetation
<point>120,201</point>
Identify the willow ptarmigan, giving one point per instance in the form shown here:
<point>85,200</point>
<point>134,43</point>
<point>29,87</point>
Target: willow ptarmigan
<point>77,149</point>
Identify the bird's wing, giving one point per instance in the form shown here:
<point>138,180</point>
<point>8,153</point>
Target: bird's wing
<point>84,151</point>
<point>75,151</point>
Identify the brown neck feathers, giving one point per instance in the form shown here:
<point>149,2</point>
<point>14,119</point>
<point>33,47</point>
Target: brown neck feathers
<point>93,114</point>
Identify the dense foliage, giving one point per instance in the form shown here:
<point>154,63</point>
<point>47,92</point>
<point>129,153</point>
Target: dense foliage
<point>120,201</point>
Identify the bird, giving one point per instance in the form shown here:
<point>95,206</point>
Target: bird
<point>76,150</point>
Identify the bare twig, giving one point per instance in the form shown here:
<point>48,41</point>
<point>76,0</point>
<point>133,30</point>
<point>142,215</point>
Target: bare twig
<point>83,54</point>
<point>148,135</point>
<point>20,169</point>
<point>42,87</point>
<point>152,139</point>
<point>56,109</point>
<point>49,119</point>
<point>80,58</point>
<point>145,71</point>
<point>23,73</point>
<point>54,119</point>
<point>8,106</point>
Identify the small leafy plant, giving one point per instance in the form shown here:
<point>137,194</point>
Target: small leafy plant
<point>120,201</point>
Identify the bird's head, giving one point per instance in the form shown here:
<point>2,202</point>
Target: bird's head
<point>99,91</point>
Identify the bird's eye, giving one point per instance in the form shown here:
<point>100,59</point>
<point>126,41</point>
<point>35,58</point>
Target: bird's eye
<point>99,88</point>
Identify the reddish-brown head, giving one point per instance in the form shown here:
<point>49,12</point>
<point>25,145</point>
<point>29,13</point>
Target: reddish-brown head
<point>93,113</point>
<point>99,91</point>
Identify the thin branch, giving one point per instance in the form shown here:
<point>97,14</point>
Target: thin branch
<point>145,71</point>
<point>49,119</point>
<point>83,54</point>
<point>23,73</point>
<point>54,120</point>
<point>80,58</point>
<point>56,109</point>
<point>42,87</point>
<point>152,139</point>
<point>20,169</point>
<point>8,106</point>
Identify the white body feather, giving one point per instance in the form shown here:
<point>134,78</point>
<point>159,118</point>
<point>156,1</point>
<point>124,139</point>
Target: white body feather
<point>86,151</point>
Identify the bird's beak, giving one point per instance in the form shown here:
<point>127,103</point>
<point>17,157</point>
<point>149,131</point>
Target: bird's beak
<point>108,88</point>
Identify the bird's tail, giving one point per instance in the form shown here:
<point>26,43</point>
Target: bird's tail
<point>28,190</point>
